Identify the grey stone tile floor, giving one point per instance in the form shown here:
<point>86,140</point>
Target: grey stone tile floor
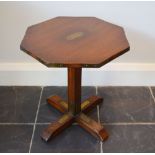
<point>128,113</point>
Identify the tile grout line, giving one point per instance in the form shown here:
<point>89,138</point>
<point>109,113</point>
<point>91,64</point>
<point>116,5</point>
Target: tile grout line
<point>16,123</point>
<point>25,123</point>
<point>152,94</point>
<point>114,123</point>
<point>98,117</point>
<point>34,126</point>
<point>130,123</point>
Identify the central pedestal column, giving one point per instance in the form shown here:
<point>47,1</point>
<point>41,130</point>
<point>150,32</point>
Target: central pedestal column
<point>74,90</point>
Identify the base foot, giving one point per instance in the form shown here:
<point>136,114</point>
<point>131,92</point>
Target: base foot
<point>55,128</point>
<point>93,127</point>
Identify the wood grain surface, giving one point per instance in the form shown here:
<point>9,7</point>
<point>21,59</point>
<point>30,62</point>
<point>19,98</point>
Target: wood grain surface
<point>75,41</point>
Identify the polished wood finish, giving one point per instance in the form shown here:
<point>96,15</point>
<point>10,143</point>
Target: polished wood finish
<point>96,129</point>
<point>74,110</point>
<point>74,90</point>
<point>90,103</point>
<point>93,127</point>
<point>55,128</point>
<point>75,41</point>
<point>58,103</point>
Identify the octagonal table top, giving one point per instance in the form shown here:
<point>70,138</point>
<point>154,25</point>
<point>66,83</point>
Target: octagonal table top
<point>74,41</point>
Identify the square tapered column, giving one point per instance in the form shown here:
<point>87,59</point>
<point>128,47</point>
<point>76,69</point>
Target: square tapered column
<point>74,90</point>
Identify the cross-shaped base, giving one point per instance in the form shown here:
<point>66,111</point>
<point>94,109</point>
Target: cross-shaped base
<point>74,111</point>
<point>67,119</point>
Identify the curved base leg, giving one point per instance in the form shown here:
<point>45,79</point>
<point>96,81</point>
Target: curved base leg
<point>94,128</point>
<point>55,128</point>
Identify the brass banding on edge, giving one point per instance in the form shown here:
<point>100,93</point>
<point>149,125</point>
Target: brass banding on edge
<point>85,104</point>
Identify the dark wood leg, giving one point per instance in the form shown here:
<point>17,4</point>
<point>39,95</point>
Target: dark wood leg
<point>90,103</point>
<point>55,128</point>
<point>94,128</point>
<point>74,110</point>
<point>62,106</point>
<point>58,103</point>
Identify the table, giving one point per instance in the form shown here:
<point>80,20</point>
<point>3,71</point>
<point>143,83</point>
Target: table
<point>75,43</point>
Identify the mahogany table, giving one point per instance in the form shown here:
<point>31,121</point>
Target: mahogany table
<point>75,43</point>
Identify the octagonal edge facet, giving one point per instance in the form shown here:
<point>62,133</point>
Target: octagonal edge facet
<point>75,41</point>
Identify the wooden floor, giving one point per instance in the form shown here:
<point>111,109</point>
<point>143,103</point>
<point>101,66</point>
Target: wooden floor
<point>128,114</point>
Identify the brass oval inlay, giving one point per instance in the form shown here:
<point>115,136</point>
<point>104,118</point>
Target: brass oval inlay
<point>74,35</point>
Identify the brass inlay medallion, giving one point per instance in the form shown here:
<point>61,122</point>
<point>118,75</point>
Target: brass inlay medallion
<point>74,35</point>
